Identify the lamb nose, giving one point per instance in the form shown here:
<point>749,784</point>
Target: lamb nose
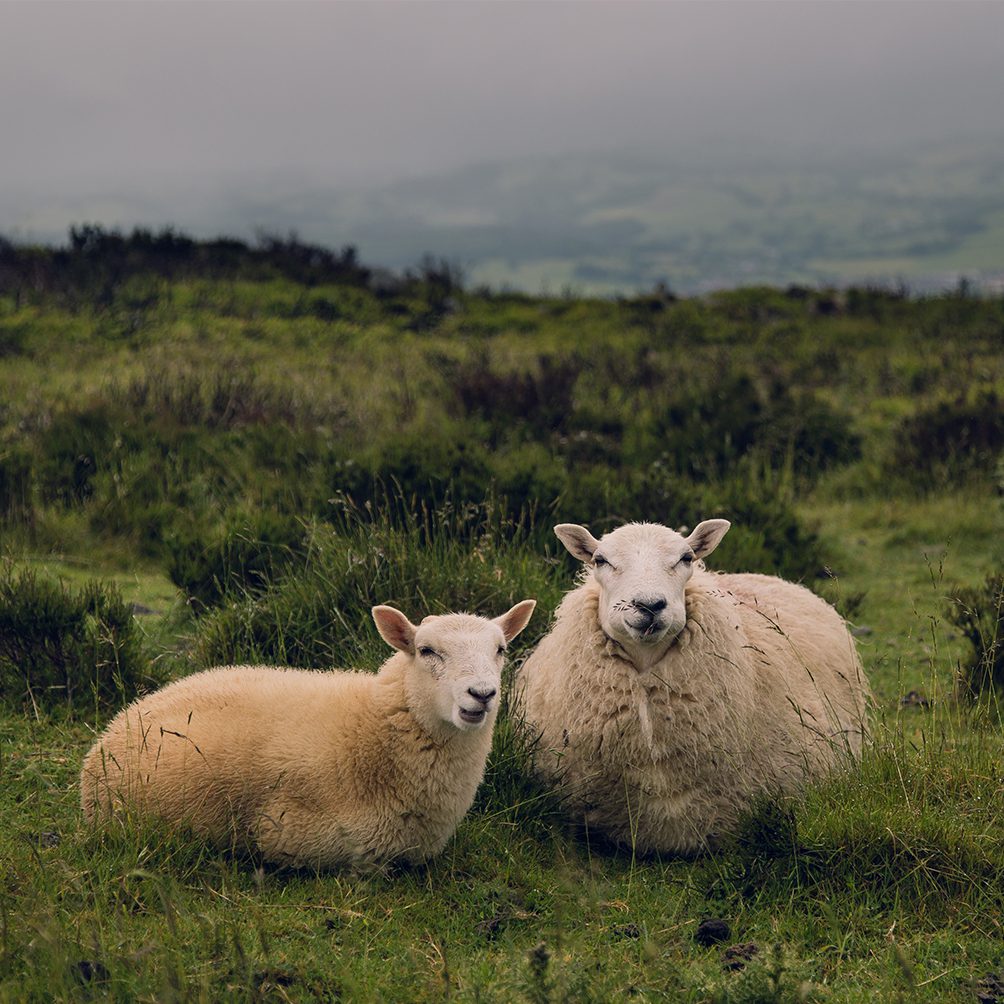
<point>484,696</point>
<point>652,606</point>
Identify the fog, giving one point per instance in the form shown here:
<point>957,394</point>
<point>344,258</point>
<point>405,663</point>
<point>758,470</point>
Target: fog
<point>154,112</point>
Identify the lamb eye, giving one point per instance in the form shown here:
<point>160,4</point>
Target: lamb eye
<point>687,558</point>
<point>501,650</point>
<point>598,559</point>
<point>428,653</point>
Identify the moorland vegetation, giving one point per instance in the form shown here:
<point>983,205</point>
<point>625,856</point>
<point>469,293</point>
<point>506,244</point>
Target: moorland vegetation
<point>214,451</point>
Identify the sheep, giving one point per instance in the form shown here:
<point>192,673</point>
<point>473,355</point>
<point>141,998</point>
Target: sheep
<point>667,697</point>
<point>314,769</point>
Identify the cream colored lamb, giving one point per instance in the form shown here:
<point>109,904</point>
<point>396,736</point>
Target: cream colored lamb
<point>317,769</point>
<point>667,696</point>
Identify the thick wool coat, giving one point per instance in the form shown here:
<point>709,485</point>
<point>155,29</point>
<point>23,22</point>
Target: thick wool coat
<point>761,691</point>
<point>314,769</point>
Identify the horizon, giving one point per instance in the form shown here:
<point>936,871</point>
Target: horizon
<point>442,127</point>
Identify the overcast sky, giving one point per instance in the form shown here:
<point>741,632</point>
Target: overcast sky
<point>97,97</point>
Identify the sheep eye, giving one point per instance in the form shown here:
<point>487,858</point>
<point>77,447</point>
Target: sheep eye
<point>598,559</point>
<point>687,558</point>
<point>428,653</point>
<point>501,650</point>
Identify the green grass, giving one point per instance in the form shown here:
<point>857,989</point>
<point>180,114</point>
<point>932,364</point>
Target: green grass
<point>853,895</point>
<point>409,443</point>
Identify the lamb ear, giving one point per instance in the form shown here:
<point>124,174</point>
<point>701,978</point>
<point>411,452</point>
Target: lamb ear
<point>579,541</point>
<point>513,621</point>
<point>707,536</point>
<point>395,628</point>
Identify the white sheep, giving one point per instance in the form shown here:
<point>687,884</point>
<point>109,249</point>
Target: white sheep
<point>667,696</point>
<point>317,769</point>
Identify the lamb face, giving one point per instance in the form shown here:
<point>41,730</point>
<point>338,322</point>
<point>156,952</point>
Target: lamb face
<point>642,570</point>
<point>458,660</point>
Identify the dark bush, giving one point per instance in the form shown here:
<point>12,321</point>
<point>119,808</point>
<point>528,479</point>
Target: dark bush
<point>705,432</point>
<point>72,448</point>
<point>539,401</point>
<point>13,337</point>
<point>421,559</point>
<point>766,535</point>
<point>979,613</point>
<point>431,466</point>
<point>230,397</point>
<point>247,556</point>
<point>64,648</point>
<point>949,441</point>
<point>16,479</point>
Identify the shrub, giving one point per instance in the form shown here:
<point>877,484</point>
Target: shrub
<point>16,479</point>
<point>59,647</point>
<point>766,535</point>
<point>13,337</point>
<point>430,465</point>
<point>949,441</point>
<point>231,397</point>
<point>979,613</point>
<point>72,448</point>
<point>246,556</point>
<point>540,401</point>
<point>706,431</point>
<point>425,561</point>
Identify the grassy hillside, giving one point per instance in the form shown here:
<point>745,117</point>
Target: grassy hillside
<point>254,445</point>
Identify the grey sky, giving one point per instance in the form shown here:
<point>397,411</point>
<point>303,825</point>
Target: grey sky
<point>97,97</point>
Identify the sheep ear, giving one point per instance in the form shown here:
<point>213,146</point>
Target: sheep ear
<point>395,628</point>
<point>708,535</point>
<point>579,541</point>
<point>513,621</point>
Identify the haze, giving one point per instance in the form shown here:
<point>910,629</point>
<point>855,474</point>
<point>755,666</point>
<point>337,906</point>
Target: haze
<point>205,115</point>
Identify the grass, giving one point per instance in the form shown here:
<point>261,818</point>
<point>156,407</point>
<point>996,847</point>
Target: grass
<point>883,883</point>
<point>861,905</point>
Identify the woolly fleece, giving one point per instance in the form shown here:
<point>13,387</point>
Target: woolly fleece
<point>761,690</point>
<point>314,769</point>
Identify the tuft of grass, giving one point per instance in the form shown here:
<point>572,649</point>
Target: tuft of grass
<point>61,648</point>
<point>432,561</point>
<point>979,613</point>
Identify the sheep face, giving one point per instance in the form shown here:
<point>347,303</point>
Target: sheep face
<point>457,661</point>
<point>642,570</point>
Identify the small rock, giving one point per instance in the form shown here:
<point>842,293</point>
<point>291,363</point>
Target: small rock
<point>275,976</point>
<point>490,926</point>
<point>990,990</point>
<point>87,971</point>
<point>914,699</point>
<point>735,957</point>
<point>47,838</point>
<point>861,630</point>
<point>712,932</point>
<point>627,931</point>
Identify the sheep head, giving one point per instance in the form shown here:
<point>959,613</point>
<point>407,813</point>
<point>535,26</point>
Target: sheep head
<point>457,662</point>
<point>642,570</point>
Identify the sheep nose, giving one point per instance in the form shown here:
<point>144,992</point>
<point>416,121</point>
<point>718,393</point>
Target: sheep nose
<point>652,605</point>
<point>484,696</point>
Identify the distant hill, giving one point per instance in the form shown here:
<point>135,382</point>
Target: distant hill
<point>603,225</point>
<point>611,223</point>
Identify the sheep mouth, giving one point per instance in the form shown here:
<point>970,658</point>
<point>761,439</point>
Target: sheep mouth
<point>648,632</point>
<point>475,717</point>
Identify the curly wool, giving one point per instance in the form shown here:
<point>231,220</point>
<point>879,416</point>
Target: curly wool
<point>761,690</point>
